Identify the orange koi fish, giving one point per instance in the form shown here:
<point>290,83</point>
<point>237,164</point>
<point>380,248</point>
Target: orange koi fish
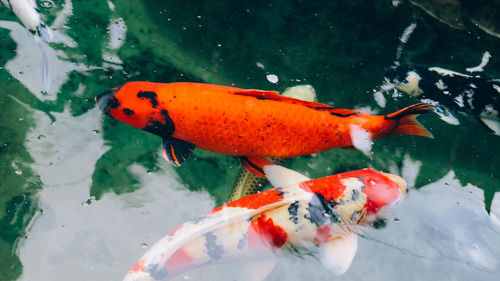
<point>299,214</point>
<point>251,124</point>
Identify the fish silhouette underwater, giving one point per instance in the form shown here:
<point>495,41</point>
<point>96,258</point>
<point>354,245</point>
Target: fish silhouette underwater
<point>298,214</point>
<point>251,124</point>
<point>450,92</point>
<point>29,15</point>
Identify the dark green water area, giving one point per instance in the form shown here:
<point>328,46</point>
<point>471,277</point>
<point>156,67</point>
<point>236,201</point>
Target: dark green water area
<point>341,48</point>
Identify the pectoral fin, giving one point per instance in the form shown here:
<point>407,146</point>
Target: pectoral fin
<point>493,125</point>
<point>446,115</point>
<point>259,270</point>
<point>280,176</point>
<point>176,151</point>
<point>254,164</point>
<point>337,254</point>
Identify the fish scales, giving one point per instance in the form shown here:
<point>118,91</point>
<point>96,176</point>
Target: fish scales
<point>235,121</point>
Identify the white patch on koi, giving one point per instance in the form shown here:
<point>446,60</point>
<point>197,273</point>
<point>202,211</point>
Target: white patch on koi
<point>440,85</point>
<point>353,201</point>
<point>484,61</point>
<point>459,100</point>
<point>431,102</point>
<point>404,39</point>
<point>361,139</point>
<point>379,98</point>
<point>447,72</point>
<point>496,87</point>
<point>470,97</point>
<point>494,125</point>
<point>411,87</point>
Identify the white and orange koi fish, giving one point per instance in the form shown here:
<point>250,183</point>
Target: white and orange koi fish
<point>298,214</point>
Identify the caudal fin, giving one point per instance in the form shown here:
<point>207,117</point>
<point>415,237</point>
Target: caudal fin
<point>407,124</point>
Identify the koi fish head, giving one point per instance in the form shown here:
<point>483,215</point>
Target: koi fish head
<point>136,104</point>
<point>356,197</point>
<point>383,190</point>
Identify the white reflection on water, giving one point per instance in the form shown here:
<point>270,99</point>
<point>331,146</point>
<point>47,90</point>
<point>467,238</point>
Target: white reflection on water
<point>70,238</point>
<point>26,66</point>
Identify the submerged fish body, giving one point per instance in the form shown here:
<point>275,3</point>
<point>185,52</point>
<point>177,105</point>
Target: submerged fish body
<point>29,15</point>
<point>298,214</point>
<point>27,12</point>
<point>241,122</point>
<point>450,91</point>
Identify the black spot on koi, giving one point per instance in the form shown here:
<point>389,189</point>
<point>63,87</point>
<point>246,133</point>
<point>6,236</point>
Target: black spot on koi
<point>322,211</point>
<point>113,103</point>
<point>243,242</point>
<point>159,128</point>
<point>293,209</point>
<point>157,271</point>
<point>151,96</point>
<point>214,250</point>
<point>355,195</point>
<point>128,111</point>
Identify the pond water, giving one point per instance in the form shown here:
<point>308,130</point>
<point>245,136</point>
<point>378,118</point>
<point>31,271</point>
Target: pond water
<point>83,196</point>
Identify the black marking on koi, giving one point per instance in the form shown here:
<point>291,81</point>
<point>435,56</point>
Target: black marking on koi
<point>151,96</point>
<point>113,102</point>
<point>343,115</point>
<point>157,271</point>
<point>293,209</point>
<point>355,195</point>
<point>322,211</point>
<point>243,242</point>
<point>161,129</point>
<point>128,111</point>
<point>214,250</point>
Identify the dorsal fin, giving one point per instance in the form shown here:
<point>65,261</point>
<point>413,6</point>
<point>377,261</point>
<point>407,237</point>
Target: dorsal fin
<point>342,112</point>
<point>264,95</point>
<point>275,96</point>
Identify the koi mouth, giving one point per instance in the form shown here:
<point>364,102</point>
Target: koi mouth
<point>106,100</point>
<point>399,181</point>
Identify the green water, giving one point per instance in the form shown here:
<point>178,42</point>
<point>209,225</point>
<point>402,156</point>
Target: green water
<point>83,195</point>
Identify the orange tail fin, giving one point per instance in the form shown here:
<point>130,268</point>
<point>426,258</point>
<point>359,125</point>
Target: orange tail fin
<point>407,124</point>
